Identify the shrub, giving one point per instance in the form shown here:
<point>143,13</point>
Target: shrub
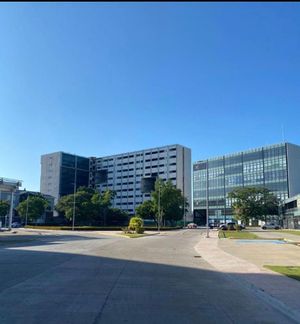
<point>136,224</point>
<point>139,230</point>
<point>126,230</point>
<point>238,227</point>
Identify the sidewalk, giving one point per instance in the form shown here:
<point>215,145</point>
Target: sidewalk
<point>281,292</point>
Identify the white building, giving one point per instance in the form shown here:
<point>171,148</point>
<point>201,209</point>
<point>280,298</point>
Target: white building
<point>125,171</point>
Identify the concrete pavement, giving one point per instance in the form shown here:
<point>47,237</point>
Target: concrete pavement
<point>243,262</point>
<point>156,279</point>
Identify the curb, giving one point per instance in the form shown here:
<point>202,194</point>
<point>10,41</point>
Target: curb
<point>209,256</point>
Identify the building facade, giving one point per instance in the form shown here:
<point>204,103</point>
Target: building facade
<point>275,167</point>
<point>60,171</point>
<point>125,171</point>
<point>290,212</point>
<point>8,188</point>
<point>121,173</point>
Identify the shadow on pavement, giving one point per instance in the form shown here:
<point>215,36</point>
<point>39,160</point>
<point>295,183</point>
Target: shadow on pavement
<point>35,239</point>
<point>48,287</point>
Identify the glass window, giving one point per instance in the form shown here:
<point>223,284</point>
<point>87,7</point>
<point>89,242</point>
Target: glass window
<point>216,163</point>
<point>199,166</point>
<point>236,159</point>
<point>252,156</point>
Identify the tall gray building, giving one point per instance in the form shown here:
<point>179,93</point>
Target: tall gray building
<point>121,173</point>
<point>125,171</point>
<point>59,172</point>
<point>275,167</point>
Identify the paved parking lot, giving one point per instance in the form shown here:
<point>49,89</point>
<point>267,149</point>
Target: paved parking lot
<point>243,262</point>
<point>90,278</point>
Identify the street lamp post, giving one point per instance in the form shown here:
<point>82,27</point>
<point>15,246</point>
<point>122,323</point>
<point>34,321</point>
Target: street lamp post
<point>207,227</point>
<point>183,211</point>
<point>74,197</point>
<point>158,206</point>
<point>26,217</point>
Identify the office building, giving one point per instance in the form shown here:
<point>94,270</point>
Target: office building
<point>275,167</point>
<point>290,212</point>
<point>60,171</point>
<point>121,173</point>
<point>125,171</point>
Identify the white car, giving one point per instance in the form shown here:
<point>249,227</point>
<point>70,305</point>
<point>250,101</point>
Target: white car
<point>192,225</point>
<point>270,226</point>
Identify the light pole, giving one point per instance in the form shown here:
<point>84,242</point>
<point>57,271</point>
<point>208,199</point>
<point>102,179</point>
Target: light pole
<point>26,217</point>
<point>11,209</point>
<point>207,227</point>
<point>158,206</point>
<point>183,211</point>
<point>74,198</point>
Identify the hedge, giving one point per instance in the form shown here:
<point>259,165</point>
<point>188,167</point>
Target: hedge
<point>97,228</point>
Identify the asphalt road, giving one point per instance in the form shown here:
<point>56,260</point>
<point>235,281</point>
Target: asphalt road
<point>88,278</point>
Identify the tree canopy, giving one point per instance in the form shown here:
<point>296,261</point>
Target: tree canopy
<point>146,210</point>
<point>91,207</point>
<point>172,203</point>
<point>253,203</point>
<point>36,207</point>
<point>4,207</point>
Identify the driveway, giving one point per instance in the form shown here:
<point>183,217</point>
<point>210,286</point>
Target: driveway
<point>88,278</point>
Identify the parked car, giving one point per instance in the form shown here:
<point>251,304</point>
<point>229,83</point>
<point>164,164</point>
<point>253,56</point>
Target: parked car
<point>223,227</point>
<point>231,226</point>
<point>191,225</point>
<point>16,225</point>
<point>270,226</point>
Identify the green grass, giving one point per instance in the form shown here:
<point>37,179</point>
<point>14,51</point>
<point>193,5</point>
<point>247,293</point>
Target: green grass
<point>237,235</point>
<point>295,232</point>
<point>135,235</point>
<point>289,271</point>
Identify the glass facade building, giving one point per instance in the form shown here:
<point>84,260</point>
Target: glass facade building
<point>59,171</point>
<point>274,167</point>
<point>290,212</point>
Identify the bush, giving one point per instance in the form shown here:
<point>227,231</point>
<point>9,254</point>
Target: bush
<point>136,224</point>
<point>238,227</point>
<point>126,230</point>
<point>139,230</point>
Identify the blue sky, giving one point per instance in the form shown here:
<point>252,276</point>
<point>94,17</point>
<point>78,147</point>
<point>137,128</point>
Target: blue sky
<point>104,78</point>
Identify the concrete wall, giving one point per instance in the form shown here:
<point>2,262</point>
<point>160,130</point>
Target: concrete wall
<point>50,174</point>
<point>144,163</point>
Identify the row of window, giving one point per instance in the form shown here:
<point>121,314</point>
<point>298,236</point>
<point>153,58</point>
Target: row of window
<point>257,154</point>
<point>139,154</point>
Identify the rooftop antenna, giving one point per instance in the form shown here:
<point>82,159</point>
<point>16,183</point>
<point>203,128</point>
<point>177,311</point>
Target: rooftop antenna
<point>282,133</point>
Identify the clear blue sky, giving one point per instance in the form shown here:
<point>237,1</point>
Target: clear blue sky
<point>104,78</point>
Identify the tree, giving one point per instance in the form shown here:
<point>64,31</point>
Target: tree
<point>172,202</point>
<point>4,207</point>
<point>116,216</point>
<point>253,203</point>
<point>85,210</point>
<point>136,224</point>
<point>102,203</point>
<point>91,207</point>
<point>147,210</point>
<point>34,207</point>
